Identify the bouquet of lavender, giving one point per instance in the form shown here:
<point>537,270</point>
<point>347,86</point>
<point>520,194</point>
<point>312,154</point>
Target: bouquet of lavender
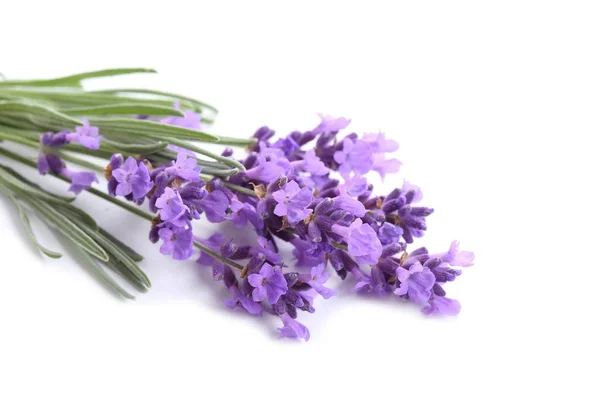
<point>306,192</point>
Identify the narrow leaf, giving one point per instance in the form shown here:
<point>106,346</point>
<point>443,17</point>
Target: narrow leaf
<point>144,128</point>
<point>92,265</point>
<point>174,97</point>
<point>76,79</point>
<point>125,109</point>
<point>135,256</point>
<point>70,229</point>
<point>27,227</point>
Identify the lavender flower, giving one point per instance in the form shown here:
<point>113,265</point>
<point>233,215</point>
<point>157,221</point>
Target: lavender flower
<point>293,329</point>
<point>318,276</point>
<point>239,299</point>
<point>269,284</point>
<point>170,205</point>
<point>85,135</point>
<point>132,178</point>
<point>79,180</point>
<point>362,240</point>
<point>177,241</point>
<point>416,283</point>
<point>191,120</point>
<point>293,202</point>
<point>185,167</point>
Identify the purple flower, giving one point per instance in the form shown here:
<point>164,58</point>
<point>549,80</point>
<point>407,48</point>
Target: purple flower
<point>383,166</point>
<point>269,284</point>
<point>268,171</point>
<point>308,254</point>
<point>389,234</point>
<point>242,213</point>
<point>50,139</point>
<point>191,120</point>
<point>177,241</point>
<point>457,258</point>
<point>439,305</point>
<point>293,202</point>
<point>133,178</point>
<point>347,203</point>
<point>318,276</point>
<point>266,248</point>
<point>215,206</point>
<point>293,329</point>
<point>356,186</point>
<point>362,240</point>
<point>416,283</point>
<point>379,144</point>
<point>355,156</point>
<point>331,124</point>
<point>79,180</point>
<point>185,168</point>
<point>364,282</point>
<point>170,205</point>
<point>312,164</point>
<point>86,135</point>
<point>48,162</point>
<point>240,299</point>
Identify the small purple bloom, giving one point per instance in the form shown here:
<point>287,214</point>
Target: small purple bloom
<point>293,329</point>
<point>355,156</point>
<point>240,299</point>
<point>133,178</point>
<point>347,203</point>
<point>215,206</point>
<point>86,135</point>
<point>439,305</point>
<point>331,124</point>
<point>356,186</point>
<point>268,171</point>
<point>362,240</point>
<point>457,258</point>
<point>389,234</point>
<point>242,213</point>
<point>269,284</point>
<point>80,180</point>
<point>318,276</point>
<point>50,139</point>
<point>266,248</point>
<point>415,282</point>
<point>170,205</point>
<point>379,144</point>
<point>313,164</point>
<point>383,166</point>
<point>307,253</point>
<point>48,162</point>
<point>177,241</point>
<point>185,168</point>
<point>191,120</point>
<point>293,202</point>
<point>364,282</point>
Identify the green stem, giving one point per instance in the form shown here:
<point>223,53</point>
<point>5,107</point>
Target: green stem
<point>231,186</point>
<point>196,149</point>
<point>217,255</point>
<point>79,161</point>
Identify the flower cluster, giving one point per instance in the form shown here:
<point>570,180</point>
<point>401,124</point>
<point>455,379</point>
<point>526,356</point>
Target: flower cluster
<point>311,190</point>
<point>49,162</point>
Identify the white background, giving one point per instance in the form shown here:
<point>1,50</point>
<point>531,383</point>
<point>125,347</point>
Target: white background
<point>496,107</point>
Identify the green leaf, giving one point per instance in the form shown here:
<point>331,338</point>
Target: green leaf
<point>28,188</point>
<point>125,109</point>
<point>135,256</point>
<point>120,256</point>
<point>92,264</point>
<point>70,229</point>
<point>151,129</point>
<point>39,115</point>
<point>137,147</point>
<point>172,96</point>
<point>75,80</point>
<point>29,231</point>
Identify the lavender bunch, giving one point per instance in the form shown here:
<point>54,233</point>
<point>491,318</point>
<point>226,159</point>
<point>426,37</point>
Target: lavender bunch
<point>307,190</point>
<point>62,122</point>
